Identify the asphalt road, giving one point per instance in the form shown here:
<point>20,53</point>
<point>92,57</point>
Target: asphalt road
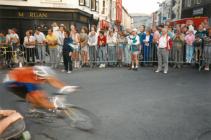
<point>131,105</point>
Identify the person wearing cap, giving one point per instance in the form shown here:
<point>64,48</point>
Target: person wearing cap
<point>134,43</point>
<point>189,39</point>
<point>40,44</point>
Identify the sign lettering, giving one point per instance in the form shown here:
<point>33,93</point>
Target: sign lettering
<point>33,14</point>
<point>20,14</point>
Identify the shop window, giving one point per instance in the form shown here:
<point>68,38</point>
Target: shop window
<point>198,2</point>
<point>82,2</point>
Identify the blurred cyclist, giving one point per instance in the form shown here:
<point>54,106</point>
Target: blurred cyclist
<point>25,82</point>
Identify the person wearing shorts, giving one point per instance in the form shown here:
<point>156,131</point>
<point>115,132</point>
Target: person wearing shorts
<point>134,43</point>
<point>26,83</point>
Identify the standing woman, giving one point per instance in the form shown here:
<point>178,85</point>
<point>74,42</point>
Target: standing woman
<point>92,42</point>
<point>134,43</point>
<point>147,43</point>
<point>111,42</point>
<point>121,41</point>
<point>84,46</point>
<point>29,43</point>
<point>67,52</point>
<point>189,39</point>
<point>76,37</point>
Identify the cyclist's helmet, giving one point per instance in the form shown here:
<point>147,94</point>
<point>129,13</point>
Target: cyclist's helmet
<point>43,71</point>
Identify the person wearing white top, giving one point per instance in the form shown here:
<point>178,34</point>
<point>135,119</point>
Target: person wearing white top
<point>92,42</point>
<point>60,36</point>
<point>134,42</point>
<point>29,44</point>
<point>111,42</point>
<point>163,52</point>
<point>40,45</point>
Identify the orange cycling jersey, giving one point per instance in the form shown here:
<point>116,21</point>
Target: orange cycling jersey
<point>25,75</point>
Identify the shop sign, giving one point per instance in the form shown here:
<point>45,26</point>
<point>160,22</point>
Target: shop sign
<point>33,14</point>
<point>199,11</point>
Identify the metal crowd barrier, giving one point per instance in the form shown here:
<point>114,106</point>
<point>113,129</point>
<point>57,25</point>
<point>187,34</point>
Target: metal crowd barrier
<point>10,55</point>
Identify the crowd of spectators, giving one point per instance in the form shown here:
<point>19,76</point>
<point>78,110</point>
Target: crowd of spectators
<point>158,45</point>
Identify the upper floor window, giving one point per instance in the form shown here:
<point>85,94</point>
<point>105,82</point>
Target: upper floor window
<point>82,2</point>
<point>103,7</point>
<point>52,0</point>
<point>87,3</point>
<point>188,3</point>
<point>94,5</point>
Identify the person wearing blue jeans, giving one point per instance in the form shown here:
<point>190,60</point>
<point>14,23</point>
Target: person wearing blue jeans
<point>189,38</point>
<point>102,41</point>
<point>111,42</point>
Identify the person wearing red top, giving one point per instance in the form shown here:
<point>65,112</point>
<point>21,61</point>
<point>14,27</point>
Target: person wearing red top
<point>102,49</point>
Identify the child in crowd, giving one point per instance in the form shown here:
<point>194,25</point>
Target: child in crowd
<point>198,48</point>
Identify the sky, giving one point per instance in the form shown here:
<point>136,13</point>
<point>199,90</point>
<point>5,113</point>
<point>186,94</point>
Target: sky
<point>141,6</point>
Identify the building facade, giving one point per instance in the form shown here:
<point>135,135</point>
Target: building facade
<point>127,20</point>
<point>110,14</point>
<point>165,11</point>
<point>28,14</point>
<point>140,19</point>
<point>176,9</point>
<point>196,8</point>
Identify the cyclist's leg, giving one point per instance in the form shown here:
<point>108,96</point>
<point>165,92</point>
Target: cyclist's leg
<point>39,99</point>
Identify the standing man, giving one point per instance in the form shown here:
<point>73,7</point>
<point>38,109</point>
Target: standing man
<point>40,45</point>
<point>163,51</point>
<point>52,42</point>
<point>142,36</point>
<point>60,36</point>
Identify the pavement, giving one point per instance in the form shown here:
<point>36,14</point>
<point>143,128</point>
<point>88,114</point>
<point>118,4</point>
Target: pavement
<point>132,105</point>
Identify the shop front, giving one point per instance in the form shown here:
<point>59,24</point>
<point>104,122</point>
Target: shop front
<point>199,11</point>
<point>24,18</point>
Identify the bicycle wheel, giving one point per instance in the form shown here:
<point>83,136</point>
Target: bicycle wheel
<point>80,118</point>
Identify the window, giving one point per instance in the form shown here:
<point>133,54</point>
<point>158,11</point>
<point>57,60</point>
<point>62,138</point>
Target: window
<point>93,5</point>
<point>87,3</point>
<point>188,3</point>
<point>97,5</point>
<point>52,0</point>
<point>82,2</point>
<point>103,10</point>
<point>198,2</point>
